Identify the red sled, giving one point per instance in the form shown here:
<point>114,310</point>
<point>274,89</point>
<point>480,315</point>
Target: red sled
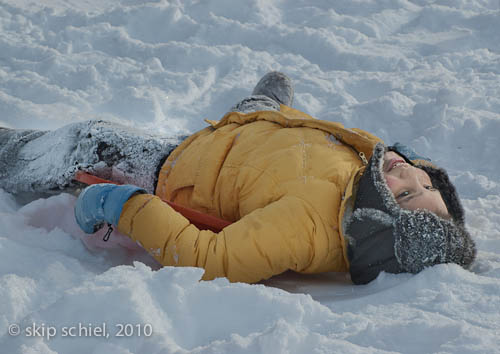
<point>200,220</point>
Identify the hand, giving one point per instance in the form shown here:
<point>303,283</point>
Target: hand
<point>102,203</point>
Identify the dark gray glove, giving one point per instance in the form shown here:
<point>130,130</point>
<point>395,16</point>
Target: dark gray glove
<point>405,150</point>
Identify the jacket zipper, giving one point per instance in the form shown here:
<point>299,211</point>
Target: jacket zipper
<point>363,158</point>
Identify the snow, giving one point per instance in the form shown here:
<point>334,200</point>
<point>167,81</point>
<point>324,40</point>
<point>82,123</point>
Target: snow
<point>425,73</point>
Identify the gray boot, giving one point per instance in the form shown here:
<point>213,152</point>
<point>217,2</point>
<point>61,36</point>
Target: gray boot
<point>277,86</point>
<point>46,161</point>
<point>273,89</point>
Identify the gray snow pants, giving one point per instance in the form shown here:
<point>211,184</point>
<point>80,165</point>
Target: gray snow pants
<point>46,161</point>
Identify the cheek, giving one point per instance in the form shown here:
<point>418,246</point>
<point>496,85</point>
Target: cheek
<point>392,182</point>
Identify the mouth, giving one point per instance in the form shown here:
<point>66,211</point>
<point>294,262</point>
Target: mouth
<point>392,163</point>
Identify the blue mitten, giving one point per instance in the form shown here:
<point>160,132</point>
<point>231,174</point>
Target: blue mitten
<point>408,152</point>
<point>102,203</point>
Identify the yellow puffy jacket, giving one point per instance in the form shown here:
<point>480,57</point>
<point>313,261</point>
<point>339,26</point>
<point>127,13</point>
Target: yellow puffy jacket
<point>283,178</point>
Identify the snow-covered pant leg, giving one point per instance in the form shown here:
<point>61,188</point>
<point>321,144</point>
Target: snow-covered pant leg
<point>46,161</point>
<point>255,103</point>
<point>11,161</point>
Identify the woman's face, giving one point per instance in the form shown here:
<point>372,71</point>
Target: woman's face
<point>412,186</point>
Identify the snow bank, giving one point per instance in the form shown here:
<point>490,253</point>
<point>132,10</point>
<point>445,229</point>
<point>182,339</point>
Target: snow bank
<point>424,73</point>
<point>52,283</point>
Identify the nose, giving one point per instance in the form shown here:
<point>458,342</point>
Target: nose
<point>410,174</point>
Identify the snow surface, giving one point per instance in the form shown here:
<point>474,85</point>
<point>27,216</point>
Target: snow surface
<point>422,72</point>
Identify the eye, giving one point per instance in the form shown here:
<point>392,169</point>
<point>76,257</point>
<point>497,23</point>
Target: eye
<point>402,195</point>
<point>430,188</point>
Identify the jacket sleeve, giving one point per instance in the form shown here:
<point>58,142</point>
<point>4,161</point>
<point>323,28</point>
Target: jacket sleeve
<point>264,243</point>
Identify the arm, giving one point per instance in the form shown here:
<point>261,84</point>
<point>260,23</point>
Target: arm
<point>264,243</point>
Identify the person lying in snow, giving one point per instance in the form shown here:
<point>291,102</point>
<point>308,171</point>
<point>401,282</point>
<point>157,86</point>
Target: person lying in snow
<point>303,194</point>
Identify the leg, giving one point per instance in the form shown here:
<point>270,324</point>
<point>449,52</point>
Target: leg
<point>46,161</point>
<point>255,103</point>
<point>273,89</point>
